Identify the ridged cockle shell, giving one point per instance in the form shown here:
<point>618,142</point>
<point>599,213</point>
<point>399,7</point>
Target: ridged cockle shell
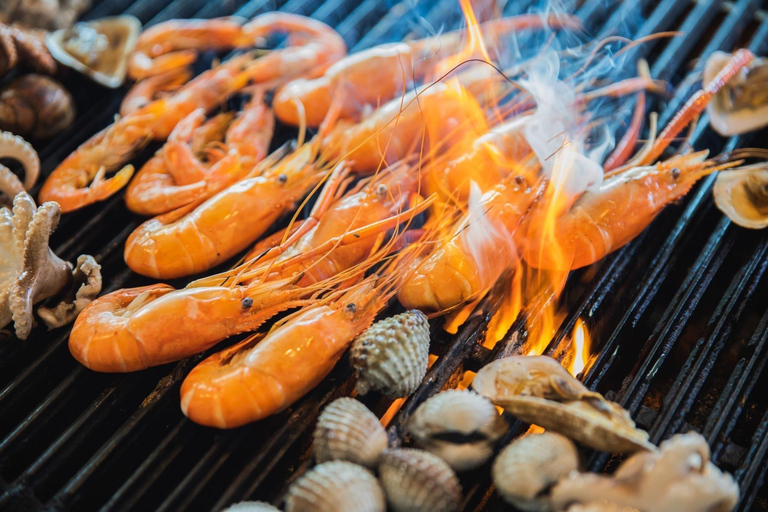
<point>392,355</point>
<point>251,506</point>
<point>336,486</point>
<point>347,430</point>
<point>460,426</point>
<point>417,481</point>
<point>530,465</point>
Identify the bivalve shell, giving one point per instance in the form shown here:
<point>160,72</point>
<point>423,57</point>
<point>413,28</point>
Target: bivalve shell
<point>392,355</point>
<point>417,481</point>
<point>336,486</point>
<point>347,430</point>
<point>459,426</point>
<point>251,506</point>
<point>529,466</point>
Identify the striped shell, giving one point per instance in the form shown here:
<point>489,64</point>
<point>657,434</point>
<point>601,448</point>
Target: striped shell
<point>251,506</point>
<point>459,426</point>
<point>347,430</point>
<point>336,487</point>
<point>530,465</point>
<point>392,355</point>
<point>417,481</point>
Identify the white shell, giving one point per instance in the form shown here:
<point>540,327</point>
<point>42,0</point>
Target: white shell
<point>392,355</point>
<point>347,430</point>
<point>126,29</point>
<point>459,426</point>
<point>417,481</point>
<point>251,506</point>
<point>732,198</point>
<point>336,487</point>
<point>530,465</point>
<point>727,122</point>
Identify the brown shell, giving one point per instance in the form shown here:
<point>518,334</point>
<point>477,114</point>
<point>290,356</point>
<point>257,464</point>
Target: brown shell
<point>36,105</point>
<point>417,481</point>
<point>347,430</point>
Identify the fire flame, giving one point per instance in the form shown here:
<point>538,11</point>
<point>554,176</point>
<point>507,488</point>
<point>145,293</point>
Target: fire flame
<point>580,347</point>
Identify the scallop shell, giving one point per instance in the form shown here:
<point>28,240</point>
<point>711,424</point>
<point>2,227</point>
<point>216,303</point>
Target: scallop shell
<point>417,481</point>
<point>347,430</point>
<point>336,487</point>
<point>531,465</point>
<point>109,64</point>
<point>729,122</point>
<point>459,426</point>
<point>251,506</point>
<point>537,389</point>
<point>743,196</point>
<point>392,355</point>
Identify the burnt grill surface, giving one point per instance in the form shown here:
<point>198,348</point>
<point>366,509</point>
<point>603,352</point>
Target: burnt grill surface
<point>678,316</point>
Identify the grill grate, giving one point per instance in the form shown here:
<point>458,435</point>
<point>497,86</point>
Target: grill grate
<point>674,348</point>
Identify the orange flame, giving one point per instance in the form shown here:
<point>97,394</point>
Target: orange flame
<point>580,347</point>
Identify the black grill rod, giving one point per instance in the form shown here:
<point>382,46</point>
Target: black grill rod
<point>361,19</point>
<point>729,310</point>
<point>752,476</point>
<point>737,391</point>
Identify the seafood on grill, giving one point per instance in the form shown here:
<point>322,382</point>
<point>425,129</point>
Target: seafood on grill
<point>251,506</point>
<point>372,77</point>
<point>30,272</point>
<point>678,477</point>
<point>99,49</point>
<point>742,105</point>
<point>37,106</point>
<point>525,471</point>
<point>347,430</point>
<point>392,355</point>
<point>537,389</point>
<point>45,14</point>
<point>19,47</point>
<point>14,147</point>
<point>176,176</point>
<point>459,426</point>
<point>152,88</point>
<point>416,480</point>
<point>336,486</point>
<point>742,194</point>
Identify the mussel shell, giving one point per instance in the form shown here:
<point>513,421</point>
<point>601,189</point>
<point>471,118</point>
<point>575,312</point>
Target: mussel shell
<point>734,200</point>
<point>417,481</point>
<point>577,421</point>
<point>336,486</point>
<point>724,121</point>
<point>459,426</point>
<point>347,430</point>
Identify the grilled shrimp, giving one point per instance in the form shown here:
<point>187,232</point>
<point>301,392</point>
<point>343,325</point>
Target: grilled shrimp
<point>146,91</point>
<point>257,378</point>
<point>175,176</point>
<point>200,236</point>
<point>375,76</point>
<point>128,330</point>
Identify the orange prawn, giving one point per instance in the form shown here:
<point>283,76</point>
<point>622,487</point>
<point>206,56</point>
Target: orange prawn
<point>146,91</point>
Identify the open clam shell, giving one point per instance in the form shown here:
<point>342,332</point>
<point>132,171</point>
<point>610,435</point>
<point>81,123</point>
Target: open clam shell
<point>743,195</point>
<point>99,49</point>
<point>728,115</point>
<point>537,389</point>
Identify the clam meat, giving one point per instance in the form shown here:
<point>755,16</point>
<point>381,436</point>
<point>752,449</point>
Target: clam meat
<point>537,389</point>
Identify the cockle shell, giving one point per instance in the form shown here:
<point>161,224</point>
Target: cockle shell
<point>678,477</point>
<point>725,119</point>
<point>459,426</point>
<point>336,486</point>
<point>537,389</point>
<point>417,481</point>
<point>392,355</point>
<point>347,430</point>
<point>742,194</point>
<point>251,506</point>
<point>99,49</point>
<point>530,465</point>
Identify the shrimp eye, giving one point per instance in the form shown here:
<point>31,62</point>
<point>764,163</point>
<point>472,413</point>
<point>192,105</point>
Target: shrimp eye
<point>675,173</point>
<point>519,179</point>
<point>351,308</point>
<point>282,178</point>
<point>381,190</point>
<point>247,303</point>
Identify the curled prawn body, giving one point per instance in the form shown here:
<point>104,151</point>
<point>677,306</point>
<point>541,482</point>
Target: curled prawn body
<point>195,238</point>
<point>250,381</point>
<point>128,330</point>
<point>146,91</point>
